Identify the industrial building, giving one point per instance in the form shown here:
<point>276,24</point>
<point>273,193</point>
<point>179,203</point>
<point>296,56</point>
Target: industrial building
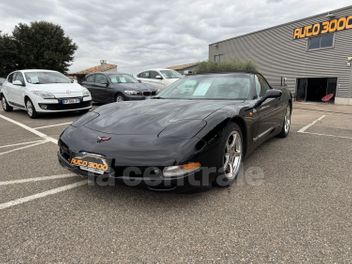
<point>311,56</point>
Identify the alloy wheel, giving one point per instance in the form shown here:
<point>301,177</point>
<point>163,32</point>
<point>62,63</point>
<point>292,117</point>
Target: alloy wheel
<point>287,121</point>
<point>119,98</point>
<point>3,103</point>
<point>29,108</point>
<point>233,155</point>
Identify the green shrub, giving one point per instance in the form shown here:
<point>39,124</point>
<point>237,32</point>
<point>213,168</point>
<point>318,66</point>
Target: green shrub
<point>226,66</point>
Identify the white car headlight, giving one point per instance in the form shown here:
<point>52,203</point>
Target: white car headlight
<point>132,92</point>
<point>86,93</point>
<point>180,170</point>
<point>44,95</point>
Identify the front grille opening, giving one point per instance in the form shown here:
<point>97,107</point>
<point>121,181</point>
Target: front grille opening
<point>137,172</point>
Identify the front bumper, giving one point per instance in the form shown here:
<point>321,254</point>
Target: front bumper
<point>136,97</point>
<point>157,182</point>
<point>57,105</point>
<point>54,108</point>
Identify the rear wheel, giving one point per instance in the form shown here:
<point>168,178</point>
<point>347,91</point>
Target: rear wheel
<point>119,98</point>
<point>32,113</point>
<point>231,154</point>
<point>286,124</point>
<point>5,106</point>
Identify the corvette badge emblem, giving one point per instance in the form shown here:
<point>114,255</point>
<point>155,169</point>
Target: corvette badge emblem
<point>103,139</point>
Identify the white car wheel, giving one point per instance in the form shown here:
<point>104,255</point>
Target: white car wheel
<point>32,113</point>
<point>5,106</point>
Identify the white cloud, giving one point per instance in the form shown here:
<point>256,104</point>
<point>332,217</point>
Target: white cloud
<point>154,33</point>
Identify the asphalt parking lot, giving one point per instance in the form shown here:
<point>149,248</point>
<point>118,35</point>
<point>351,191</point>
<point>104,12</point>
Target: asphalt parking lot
<point>300,211</point>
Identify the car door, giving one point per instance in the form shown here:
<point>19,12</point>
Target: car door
<point>18,90</point>
<point>156,79</point>
<point>89,84</point>
<point>7,88</point>
<point>102,89</point>
<point>143,77</point>
<point>269,111</point>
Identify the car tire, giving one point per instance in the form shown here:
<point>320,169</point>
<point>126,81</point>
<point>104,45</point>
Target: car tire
<point>230,156</point>
<point>5,106</point>
<point>32,113</point>
<point>285,130</point>
<point>119,98</point>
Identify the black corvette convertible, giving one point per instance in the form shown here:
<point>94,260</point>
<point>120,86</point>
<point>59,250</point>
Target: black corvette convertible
<point>195,133</point>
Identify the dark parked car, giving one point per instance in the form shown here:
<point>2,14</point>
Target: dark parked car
<point>195,133</point>
<point>116,87</point>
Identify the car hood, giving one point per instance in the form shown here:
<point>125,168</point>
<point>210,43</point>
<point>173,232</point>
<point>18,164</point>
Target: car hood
<point>157,117</point>
<point>59,89</point>
<point>134,86</point>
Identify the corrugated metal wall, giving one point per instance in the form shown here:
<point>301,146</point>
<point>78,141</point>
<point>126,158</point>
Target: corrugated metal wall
<point>276,54</point>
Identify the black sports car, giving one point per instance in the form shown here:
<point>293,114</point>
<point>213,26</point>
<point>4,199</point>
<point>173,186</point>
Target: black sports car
<point>195,133</point>
<point>116,87</point>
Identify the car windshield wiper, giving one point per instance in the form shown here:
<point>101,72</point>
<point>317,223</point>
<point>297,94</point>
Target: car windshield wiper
<point>158,97</point>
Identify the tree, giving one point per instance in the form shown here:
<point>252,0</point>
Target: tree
<point>8,55</point>
<point>40,45</point>
<point>226,66</point>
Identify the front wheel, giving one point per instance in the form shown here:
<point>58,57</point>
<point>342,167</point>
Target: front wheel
<point>231,155</point>
<point>5,106</point>
<point>286,123</point>
<point>119,98</point>
<point>32,113</point>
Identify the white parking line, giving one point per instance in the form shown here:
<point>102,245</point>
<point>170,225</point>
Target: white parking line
<point>25,147</point>
<point>42,194</point>
<point>303,129</point>
<point>36,179</point>
<point>326,135</point>
<point>20,144</point>
<point>39,134</point>
<point>54,125</point>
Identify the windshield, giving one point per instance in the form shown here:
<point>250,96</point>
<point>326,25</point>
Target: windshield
<point>46,77</point>
<point>122,78</point>
<point>229,87</point>
<point>170,74</point>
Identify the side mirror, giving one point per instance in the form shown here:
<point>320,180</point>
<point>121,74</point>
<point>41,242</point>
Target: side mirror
<point>271,93</point>
<point>18,83</point>
<point>158,77</point>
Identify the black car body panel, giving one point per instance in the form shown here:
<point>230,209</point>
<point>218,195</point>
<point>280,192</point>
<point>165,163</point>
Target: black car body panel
<point>163,132</point>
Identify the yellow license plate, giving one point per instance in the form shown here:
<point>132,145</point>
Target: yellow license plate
<point>94,164</point>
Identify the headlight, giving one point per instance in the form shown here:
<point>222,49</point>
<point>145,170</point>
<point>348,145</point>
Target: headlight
<point>132,92</point>
<point>86,93</point>
<point>44,95</point>
<point>180,170</point>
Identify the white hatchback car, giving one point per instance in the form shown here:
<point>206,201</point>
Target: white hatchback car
<point>159,78</point>
<point>43,91</point>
